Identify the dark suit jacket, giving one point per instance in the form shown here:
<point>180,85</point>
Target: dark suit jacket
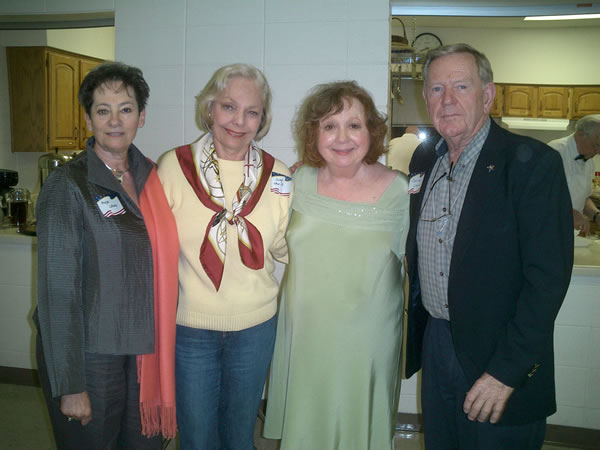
<point>510,269</point>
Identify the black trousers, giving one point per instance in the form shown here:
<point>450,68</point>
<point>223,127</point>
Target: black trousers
<point>111,382</point>
<point>443,391</point>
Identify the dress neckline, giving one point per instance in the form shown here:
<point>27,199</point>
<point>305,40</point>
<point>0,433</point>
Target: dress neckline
<point>383,197</point>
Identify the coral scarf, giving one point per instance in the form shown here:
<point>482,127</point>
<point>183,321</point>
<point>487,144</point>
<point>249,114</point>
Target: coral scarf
<point>202,172</point>
<point>156,371</point>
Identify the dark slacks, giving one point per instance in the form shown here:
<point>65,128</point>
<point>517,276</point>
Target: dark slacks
<point>443,392</point>
<point>114,392</point>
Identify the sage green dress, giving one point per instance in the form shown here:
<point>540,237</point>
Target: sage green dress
<point>335,375</point>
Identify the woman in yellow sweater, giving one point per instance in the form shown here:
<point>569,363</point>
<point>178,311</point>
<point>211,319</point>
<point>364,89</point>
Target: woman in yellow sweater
<point>230,200</point>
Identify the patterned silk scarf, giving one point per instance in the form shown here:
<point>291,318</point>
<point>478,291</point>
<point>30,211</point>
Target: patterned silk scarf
<point>201,169</point>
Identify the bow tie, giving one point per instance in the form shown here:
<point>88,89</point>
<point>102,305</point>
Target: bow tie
<point>578,157</point>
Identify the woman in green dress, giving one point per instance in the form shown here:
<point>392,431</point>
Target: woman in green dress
<point>335,375</point>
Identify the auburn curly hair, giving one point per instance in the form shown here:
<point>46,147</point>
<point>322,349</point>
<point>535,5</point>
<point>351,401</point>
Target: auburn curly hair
<point>328,99</point>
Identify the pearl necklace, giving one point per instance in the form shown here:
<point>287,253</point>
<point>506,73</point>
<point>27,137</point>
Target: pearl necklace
<point>117,173</point>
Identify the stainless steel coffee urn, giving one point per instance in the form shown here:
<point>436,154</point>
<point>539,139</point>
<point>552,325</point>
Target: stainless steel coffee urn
<point>50,161</point>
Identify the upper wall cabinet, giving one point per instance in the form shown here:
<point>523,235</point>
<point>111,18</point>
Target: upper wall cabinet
<point>520,101</point>
<point>552,102</point>
<point>586,100</point>
<point>43,86</point>
<point>496,110</point>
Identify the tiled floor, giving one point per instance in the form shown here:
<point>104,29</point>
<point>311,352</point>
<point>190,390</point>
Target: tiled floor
<point>24,424</point>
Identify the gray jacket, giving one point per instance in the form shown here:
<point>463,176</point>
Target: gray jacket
<point>95,281</point>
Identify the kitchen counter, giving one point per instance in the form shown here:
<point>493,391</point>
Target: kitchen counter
<point>18,272</point>
<point>10,235</point>
<point>587,259</point>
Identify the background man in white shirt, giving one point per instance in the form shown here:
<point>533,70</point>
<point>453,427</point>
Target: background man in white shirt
<point>577,151</point>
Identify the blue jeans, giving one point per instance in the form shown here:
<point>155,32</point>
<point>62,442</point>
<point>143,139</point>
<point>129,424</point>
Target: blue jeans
<point>219,383</point>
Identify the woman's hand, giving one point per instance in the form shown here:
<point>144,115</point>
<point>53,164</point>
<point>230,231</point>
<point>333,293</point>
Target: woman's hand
<point>77,406</point>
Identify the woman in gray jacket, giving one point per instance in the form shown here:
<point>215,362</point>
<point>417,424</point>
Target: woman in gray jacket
<point>102,294</point>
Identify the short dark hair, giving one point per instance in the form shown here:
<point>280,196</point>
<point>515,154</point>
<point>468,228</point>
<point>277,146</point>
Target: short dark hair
<point>113,72</point>
<point>325,100</point>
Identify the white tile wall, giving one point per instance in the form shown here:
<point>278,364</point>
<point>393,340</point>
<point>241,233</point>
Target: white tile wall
<point>571,385</point>
<point>372,75</point>
<point>192,129</point>
<point>571,347</point>
<point>592,398</point>
<point>577,353</point>
<point>410,395</point>
<point>160,47</point>
<point>595,349</point>
<point>70,6</point>
<point>150,14</point>
<point>280,134</point>
<point>224,44</point>
<point>368,10</point>
<point>249,13</point>
<point>581,306</point>
<point>309,11</point>
<point>363,36</point>
<point>167,119</point>
<point>21,7</point>
<point>568,416</point>
<point>591,419</point>
<point>55,6</point>
<point>166,86</point>
<point>290,83</point>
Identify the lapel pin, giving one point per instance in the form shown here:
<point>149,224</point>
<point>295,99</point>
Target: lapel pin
<point>490,168</point>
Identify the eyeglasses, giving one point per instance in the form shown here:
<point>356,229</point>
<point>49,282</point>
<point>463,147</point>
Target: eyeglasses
<point>446,211</point>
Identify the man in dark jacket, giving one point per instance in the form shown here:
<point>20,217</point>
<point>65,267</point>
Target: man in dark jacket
<point>490,253</point>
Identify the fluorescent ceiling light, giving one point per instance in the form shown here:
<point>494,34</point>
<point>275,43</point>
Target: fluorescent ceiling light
<point>529,123</point>
<point>565,17</point>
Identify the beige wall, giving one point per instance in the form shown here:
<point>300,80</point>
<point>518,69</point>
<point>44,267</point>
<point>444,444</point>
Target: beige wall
<point>96,42</point>
<point>542,55</point>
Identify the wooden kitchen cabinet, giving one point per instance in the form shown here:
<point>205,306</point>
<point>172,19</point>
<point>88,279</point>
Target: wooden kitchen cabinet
<point>496,110</point>
<point>550,102</point>
<point>63,108</point>
<point>553,102</point>
<point>85,65</point>
<point>44,109</point>
<point>586,101</point>
<point>520,101</point>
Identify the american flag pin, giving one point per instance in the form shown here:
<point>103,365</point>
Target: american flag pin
<point>491,167</point>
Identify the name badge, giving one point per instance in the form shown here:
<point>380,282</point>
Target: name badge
<point>415,182</point>
<point>281,184</point>
<point>110,206</point>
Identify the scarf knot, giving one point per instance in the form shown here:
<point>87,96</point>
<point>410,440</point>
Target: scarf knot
<point>201,169</point>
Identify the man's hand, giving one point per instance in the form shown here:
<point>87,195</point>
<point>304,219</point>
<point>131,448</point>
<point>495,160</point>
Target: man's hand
<point>487,397</point>
<point>77,406</point>
<point>581,222</point>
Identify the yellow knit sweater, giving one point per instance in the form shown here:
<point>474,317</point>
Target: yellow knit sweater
<point>246,297</point>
